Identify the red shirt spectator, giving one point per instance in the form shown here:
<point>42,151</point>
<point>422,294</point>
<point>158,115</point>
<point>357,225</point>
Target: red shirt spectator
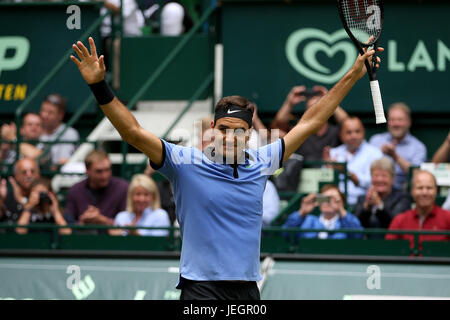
<point>437,219</point>
<point>426,216</point>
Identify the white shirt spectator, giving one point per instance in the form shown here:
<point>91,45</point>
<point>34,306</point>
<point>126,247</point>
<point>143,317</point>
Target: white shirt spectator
<point>61,150</point>
<point>271,203</point>
<point>172,15</point>
<point>133,19</point>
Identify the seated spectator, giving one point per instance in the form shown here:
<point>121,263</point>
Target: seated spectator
<point>143,210</point>
<point>97,199</point>
<point>446,204</point>
<point>426,215</point>
<point>42,207</point>
<point>403,148</point>
<point>443,153</point>
<point>165,194</point>
<point>271,203</point>
<point>31,129</point>
<point>333,216</point>
<point>358,155</point>
<point>52,113</point>
<point>382,201</point>
<point>13,201</point>
<point>312,148</point>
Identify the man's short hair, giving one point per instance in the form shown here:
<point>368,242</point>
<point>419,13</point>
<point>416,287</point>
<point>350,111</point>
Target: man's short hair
<point>384,164</point>
<point>21,160</point>
<point>30,114</point>
<point>420,171</point>
<point>402,106</point>
<point>94,156</point>
<point>351,118</point>
<point>57,100</point>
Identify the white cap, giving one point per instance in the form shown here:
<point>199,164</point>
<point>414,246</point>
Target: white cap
<point>172,16</point>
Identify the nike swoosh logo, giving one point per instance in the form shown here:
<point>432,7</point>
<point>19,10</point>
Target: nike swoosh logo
<point>233,111</point>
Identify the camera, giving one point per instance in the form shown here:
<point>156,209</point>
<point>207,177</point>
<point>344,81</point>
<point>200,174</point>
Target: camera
<point>308,93</point>
<point>44,198</point>
<point>320,198</point>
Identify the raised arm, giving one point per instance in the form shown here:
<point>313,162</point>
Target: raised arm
<point>93,70</point>
<point>315,117</point>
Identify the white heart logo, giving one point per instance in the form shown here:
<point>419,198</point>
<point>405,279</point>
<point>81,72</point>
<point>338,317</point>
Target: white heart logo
<point>328,44</point>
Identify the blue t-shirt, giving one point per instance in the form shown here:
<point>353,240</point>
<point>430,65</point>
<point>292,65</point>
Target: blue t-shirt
<point>219,209</point>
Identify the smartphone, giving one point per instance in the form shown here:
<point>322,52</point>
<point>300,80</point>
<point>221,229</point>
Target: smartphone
<point>320,198</point>
<point>308,93</point>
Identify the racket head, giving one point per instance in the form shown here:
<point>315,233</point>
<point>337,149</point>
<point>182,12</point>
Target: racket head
<point>362,19</point>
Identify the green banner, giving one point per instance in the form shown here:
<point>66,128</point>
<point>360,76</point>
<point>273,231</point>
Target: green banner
<point>33,39</point>
<point>271,46</point>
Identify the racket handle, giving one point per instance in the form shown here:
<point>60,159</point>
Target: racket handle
<point>377,102</point>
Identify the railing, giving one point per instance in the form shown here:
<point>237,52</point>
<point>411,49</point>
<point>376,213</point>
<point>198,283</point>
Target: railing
<point>273,240</point>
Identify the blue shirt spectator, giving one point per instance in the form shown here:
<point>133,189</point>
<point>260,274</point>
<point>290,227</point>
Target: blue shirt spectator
<point>332,216</point>
<point>143,209</point>
<point>402,147</point>
<point>149,218</point>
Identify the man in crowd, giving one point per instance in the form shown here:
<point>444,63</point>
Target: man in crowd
<point>31,129</point>
<point>426,215</point>
<point>97,199</point>
<point>26,172</point>
<point>402,147</point>
<point>358,154</point>
<point>52,112</point>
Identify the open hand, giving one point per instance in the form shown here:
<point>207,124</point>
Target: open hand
<point>91,67</point>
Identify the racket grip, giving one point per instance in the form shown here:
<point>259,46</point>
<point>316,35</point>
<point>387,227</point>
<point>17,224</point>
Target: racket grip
<point>377,102</point>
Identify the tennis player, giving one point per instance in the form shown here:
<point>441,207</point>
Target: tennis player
<point>218,192</point>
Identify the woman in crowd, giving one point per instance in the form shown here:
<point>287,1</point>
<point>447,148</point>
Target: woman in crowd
<point>143,210</point>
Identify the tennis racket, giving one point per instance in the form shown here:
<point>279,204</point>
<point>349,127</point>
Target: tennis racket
<point>363,21</point>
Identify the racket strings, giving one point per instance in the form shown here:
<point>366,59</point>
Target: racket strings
<point>363,18</point>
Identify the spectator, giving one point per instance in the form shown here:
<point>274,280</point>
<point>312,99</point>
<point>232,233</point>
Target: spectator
<point>26,172</point>
<point>42,207</point>
<point>271,203</point>
<point>404,149</point>
<point>143,209</point>
<point>443,153</point>
<point>446,204</point>
<point>426,215</point>
<point>31,129</point>
<point>165,194</point>
<point>52,113</point>
<point>312,148</point>
<point>333,216</point>
<point>133,19</point>
<point>97,199</point>
<point>358,155</point>
<point>382,202</point>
